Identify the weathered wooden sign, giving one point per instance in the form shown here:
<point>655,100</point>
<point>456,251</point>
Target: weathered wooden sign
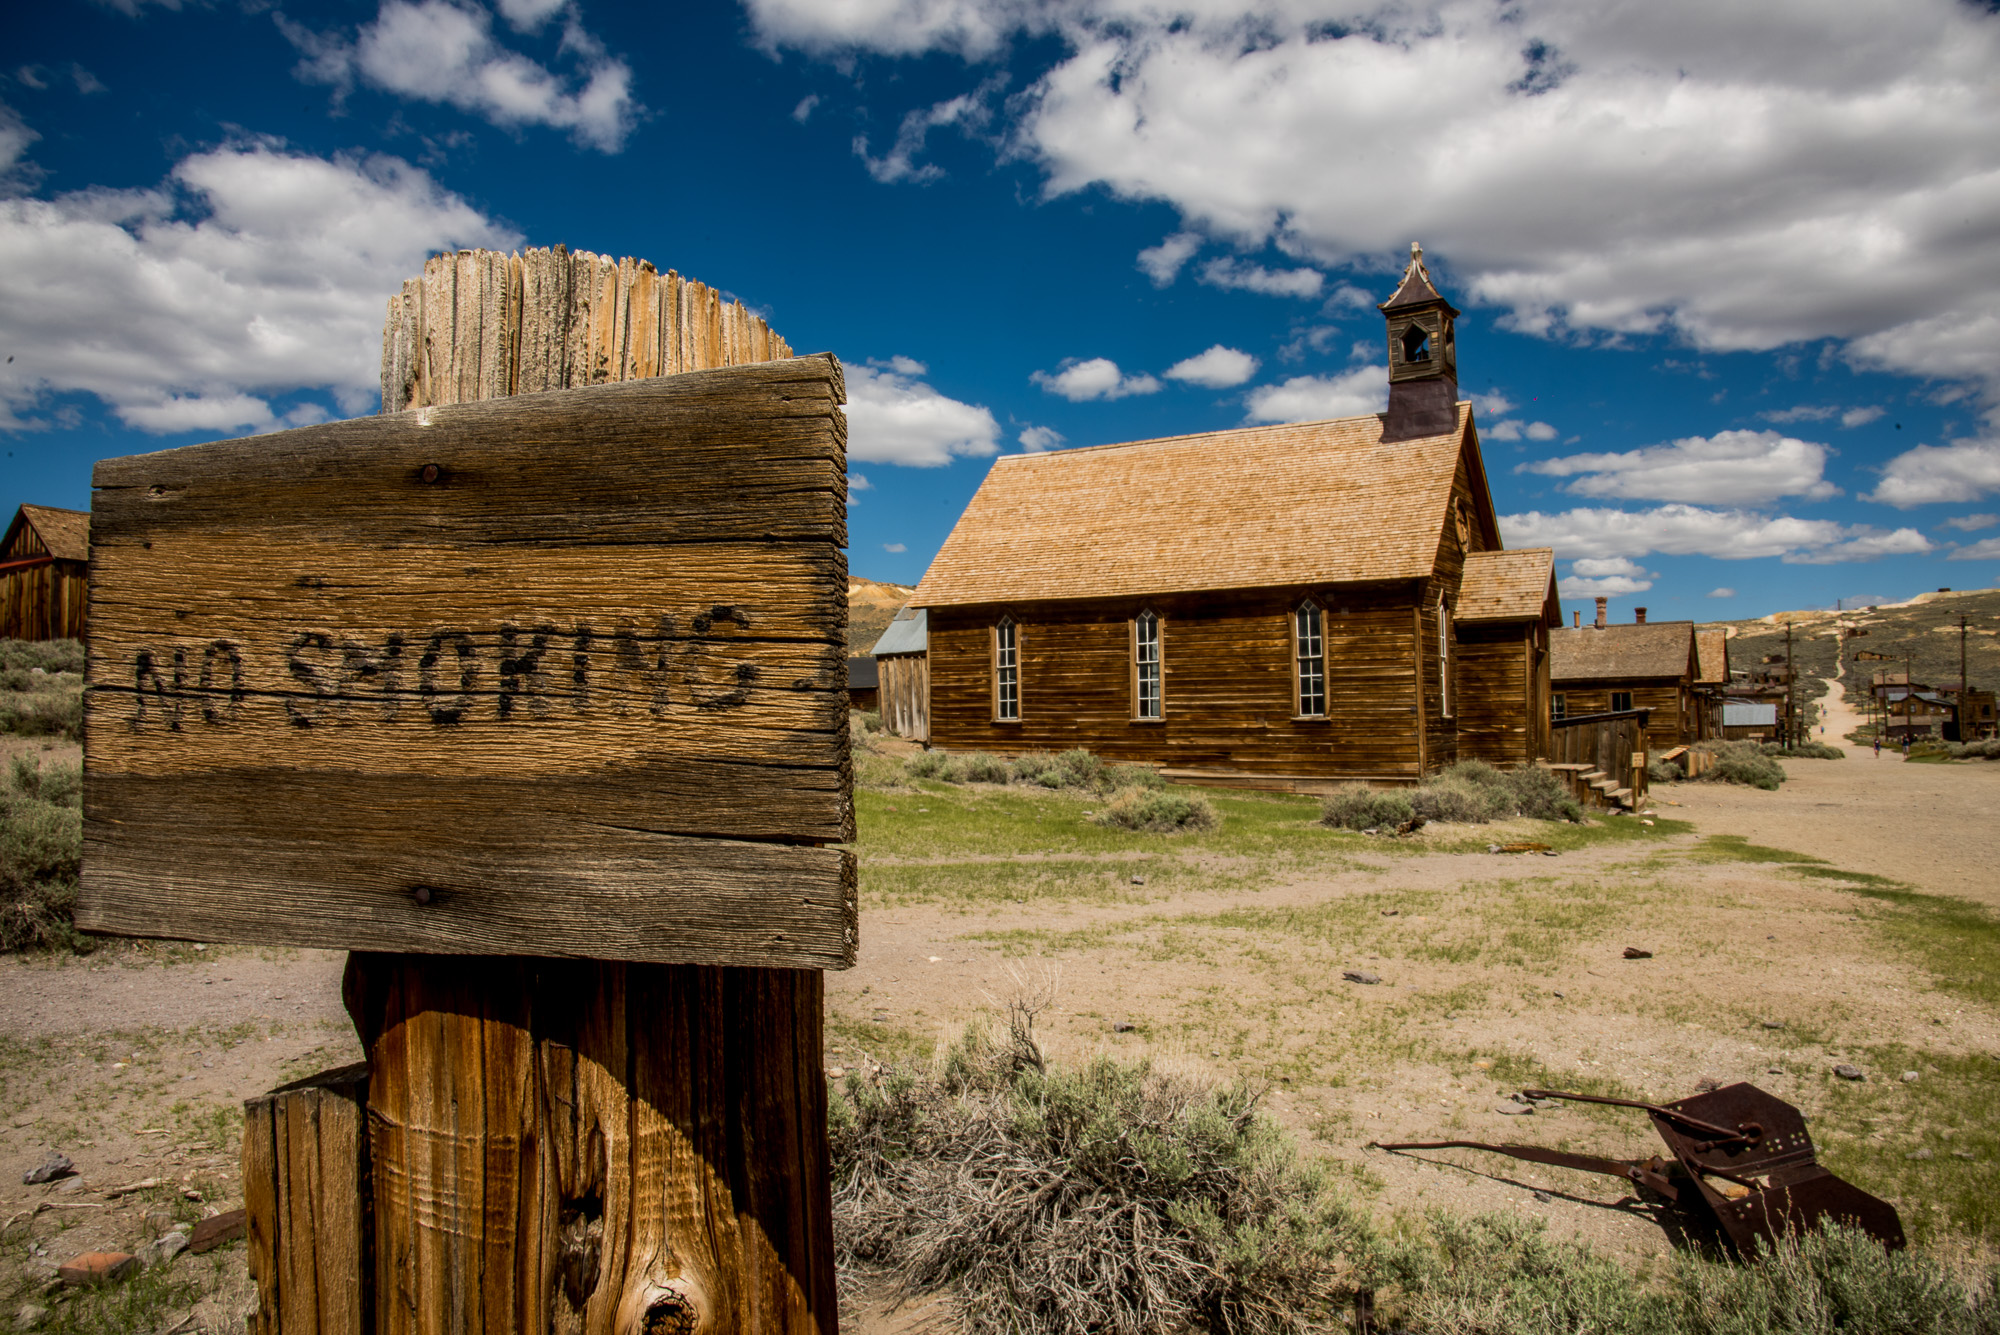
<point>557,674</point>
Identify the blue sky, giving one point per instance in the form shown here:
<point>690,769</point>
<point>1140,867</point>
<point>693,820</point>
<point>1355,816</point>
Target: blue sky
<point>1730,274</point>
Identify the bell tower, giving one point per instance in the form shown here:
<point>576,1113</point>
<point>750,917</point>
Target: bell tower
<point>1423,357</point>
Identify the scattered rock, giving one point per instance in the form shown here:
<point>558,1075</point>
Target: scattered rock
<point>51,1168</point>
<point>1774,1070</point>
<point>212,1232</point>
<point>1558,996</point>
<point>1909,1077</point>
<point>1634,953</point>
<point>1708,1084</point>
<point>1122,1026</point>
<point>836,1072</point>
<point>1138,880</point>
<point>1361,976</point>
<point>1512,1109</point>
<point>1493,848</point>
<point>1963,1154</point>
<point>1543,1197</point>
<point>1919,1154</point>
<point>96,1268</point>
<point>1411,826</point>
<point>29,1315</point>
<point>163,1248</point>
<point>1390,913</point>
<point>69,1184</point>
<point>1849,1072</point>
<point>1774,1024</point>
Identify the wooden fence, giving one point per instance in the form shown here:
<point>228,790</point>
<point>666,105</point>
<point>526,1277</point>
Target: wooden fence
<point>905,697</point>
<point>1612,745</point>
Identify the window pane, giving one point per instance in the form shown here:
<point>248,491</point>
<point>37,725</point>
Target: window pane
<point>1621,700</point>
<point>1006,671</point>
<point>1146,665</point>
<point>1311,650</point>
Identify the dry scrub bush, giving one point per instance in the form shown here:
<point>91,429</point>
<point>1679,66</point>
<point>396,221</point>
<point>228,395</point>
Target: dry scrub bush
<point>1356,806</point>
<point>41,855</point>
<point>1159,810</point>
<point>1112,1198</point>
<point>1741,762</point>
<point>41,688</point>
<point>1077,769</point>
<point>1471,792</point>
<point>1806,750</point>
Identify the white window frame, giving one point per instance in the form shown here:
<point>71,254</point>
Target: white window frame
<point>1148,667</point>
<point>1309,660</point>
<point>1006,671</point>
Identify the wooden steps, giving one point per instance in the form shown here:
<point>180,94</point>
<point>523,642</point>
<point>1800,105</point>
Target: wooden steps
<point>1593,787</point>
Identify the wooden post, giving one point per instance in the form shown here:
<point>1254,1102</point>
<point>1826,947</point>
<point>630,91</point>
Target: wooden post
<point>472,687</point>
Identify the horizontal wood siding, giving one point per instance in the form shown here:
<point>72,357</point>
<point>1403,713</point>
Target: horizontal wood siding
<point>1227,683</point>
<point>1495,722</point>
<point>1669,701</point>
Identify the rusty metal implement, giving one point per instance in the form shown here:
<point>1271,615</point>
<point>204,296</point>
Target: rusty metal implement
<point>1743,1154</point>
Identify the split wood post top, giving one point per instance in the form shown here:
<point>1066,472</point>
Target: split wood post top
<point>531,694</point>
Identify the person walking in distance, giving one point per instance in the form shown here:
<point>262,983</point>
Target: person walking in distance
<point>1878,746</point>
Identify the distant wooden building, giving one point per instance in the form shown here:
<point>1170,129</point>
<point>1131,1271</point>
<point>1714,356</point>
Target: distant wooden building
<point>1711,681</point>
<point>45,574</point>
<point>1603,668</point>
<point>1507,609</point>
<point>1274,607</point>
<point>902,663</point>
<point>862,682</point>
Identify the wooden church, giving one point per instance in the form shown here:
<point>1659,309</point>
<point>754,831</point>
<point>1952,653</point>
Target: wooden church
<point>1283,607</point>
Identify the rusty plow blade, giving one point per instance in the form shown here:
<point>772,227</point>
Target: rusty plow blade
<point>1742,1153</point>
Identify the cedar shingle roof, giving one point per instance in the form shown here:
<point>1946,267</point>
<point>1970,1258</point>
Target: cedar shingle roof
<point>66,533</point>
<point>1304,503</point>
<point>1507,586</point>
<point>1711,651</point>
<point>1656,649</point>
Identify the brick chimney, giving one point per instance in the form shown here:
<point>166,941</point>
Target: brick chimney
<point>1579,620</point>
<point>1638,616</point>
<point>1601,605</point>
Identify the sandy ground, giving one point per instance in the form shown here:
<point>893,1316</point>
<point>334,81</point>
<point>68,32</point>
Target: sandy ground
<point>124,1061</point>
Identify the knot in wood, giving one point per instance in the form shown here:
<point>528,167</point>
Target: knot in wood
<point>671,1313</point>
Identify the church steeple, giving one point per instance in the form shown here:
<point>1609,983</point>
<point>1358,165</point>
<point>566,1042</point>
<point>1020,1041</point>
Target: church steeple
<point>1423,357</point>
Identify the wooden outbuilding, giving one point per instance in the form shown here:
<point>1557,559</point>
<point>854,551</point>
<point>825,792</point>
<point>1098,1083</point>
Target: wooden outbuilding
<point>1602,669</point>
<point>862,682</point>
<point>45,574</point>
<point>1272,607</point>
<point>902,662</point>
<point>1711,681</point>
<point>1507,609</point>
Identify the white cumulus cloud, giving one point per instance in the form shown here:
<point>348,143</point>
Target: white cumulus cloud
<point>894,417</point>
<point>1515,429</point>
<point>1722,592</point>
<point>899,163</point>
<point>1962,470</point>
<point>1227,272</point>
<point>1097,378</point>
<point>1692,530</point>
<point>1035,439</point>
<point>1739,176</point>
<point>1730,467</point>
<point>1854,417</point>
<point>446,51</point>
<point>1984,549</point>
<point>1972,523</point>
<point>250,272</point>
<point>1162,263</point>
<point>1309,398</point>
<point>1217,368</point>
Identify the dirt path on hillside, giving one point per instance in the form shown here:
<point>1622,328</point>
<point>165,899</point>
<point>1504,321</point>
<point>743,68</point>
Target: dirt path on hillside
<point>1934,826</point>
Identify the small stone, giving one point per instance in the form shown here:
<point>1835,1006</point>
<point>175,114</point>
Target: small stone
<point>1362,976</point>
<point>1924,1153</point>
<point>1215,1052</point>
<point>1543,1197</point>
<point>1138,880</point>
<point>1511,1109</point>
<point>29,1315</point>
<point>1774,1024</point>
<point>51,1168</point>
<point>1774,1070</point>
<point>163,1248</point>
<point>835,1072</point>
<point>1849,1072</point>
<point>1634,953</point>
<point>1559,996</point>
<point>212,1232</point>
<point>1909,1077</point>
<point>1122,1026</point>
<point>68,1185</point>
<point>1707,1085</point>
<point>96,1268</point>
<point>1390,913</point>
<point>1963,1154</point>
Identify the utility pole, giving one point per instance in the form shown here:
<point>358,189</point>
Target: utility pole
<point>1961,678</point>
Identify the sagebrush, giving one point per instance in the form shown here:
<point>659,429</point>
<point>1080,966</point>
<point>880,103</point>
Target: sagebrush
<point>1470,792</point>
<point>41,854</point>
<point>1077,769</point>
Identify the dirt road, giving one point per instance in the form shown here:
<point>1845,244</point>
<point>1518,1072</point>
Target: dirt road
<point>1936,827</point>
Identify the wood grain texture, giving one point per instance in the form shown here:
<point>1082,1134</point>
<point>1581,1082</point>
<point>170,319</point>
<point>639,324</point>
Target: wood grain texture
<point>305,1195</point>
<point>582,680</point>
<point>592,1147</point>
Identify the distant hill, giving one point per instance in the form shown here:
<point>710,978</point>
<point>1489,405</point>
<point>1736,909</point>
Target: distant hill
<point>871,606</point>
<point>1925,628</point>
